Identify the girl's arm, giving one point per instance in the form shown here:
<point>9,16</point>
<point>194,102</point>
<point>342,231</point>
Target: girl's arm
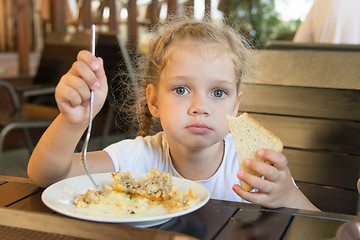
<point>53,158</point>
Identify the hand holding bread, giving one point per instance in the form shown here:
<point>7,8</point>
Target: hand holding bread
<point>250,136</point>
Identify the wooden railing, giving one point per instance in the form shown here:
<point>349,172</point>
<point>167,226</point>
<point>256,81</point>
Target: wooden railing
<point>17,25</point>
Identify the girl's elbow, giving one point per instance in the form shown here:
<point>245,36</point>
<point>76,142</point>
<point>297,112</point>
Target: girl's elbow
<point>35,177</point>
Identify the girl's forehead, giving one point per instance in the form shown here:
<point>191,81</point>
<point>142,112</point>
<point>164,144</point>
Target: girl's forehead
<point>200,48</point>
<point>188,59</point>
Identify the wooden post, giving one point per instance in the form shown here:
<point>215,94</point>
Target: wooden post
<point>132,26</point>
<point>23,35</point>
<point>10,25</point>
<point>112,17</point>
<point>2,27</point>
<point>172,8</point>
<point>57,13</point>
<point>189,8</point>
<point>207,9</point>
<point>154,13</point>
<point>85,14</point>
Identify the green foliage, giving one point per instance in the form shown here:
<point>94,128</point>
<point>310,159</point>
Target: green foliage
<point>257,19</point>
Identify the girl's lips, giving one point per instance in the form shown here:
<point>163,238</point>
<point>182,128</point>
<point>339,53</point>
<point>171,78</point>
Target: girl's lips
<point>198,128</point>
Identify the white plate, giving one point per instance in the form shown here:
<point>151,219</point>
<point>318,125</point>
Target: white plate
<point>60,196</point>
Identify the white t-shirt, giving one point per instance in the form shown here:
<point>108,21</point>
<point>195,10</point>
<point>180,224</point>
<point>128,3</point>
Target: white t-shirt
<point>331,21</point>
<point>143,153</point>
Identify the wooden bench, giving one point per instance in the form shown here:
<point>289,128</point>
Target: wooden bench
<point>311,100</point>
<point>290,45</point>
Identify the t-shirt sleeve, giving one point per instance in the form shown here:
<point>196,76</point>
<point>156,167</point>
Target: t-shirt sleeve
<point>136,155</point>
<point>126,154</point>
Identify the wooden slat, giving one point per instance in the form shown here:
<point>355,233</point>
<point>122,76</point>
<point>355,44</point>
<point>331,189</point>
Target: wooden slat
<point>132,26</point>
<point>207,9</point>
<point>256,224</point>
<point>172,8</point>
<point>57,11</point>
<point>23,33</point>
<point>301,101</point>
<point>10,25</point>
<point>314,134</point>
<point>9,232</point>
<point>86,14</point>
<point>78,228</point>
<point>153,13</point>
<point>303,227</point>
<point>202,224</point>
<point>290,45</point>
<point>32,203</point>
<point>36,111</point>
<point>13,191</point>
<point>335,170</point>
<point>323,69</point>
<point>2,26</point>
<point>15,179</point>
<point>113,16</point>
<point>331,199</point>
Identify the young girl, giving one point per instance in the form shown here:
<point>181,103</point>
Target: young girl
<point>190,82</point>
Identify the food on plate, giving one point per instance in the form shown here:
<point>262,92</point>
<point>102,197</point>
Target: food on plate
<point>127,197</point>
<point>249,136</point>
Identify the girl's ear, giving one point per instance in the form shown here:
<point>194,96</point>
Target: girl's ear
<point>237,105</point>
<point>152,100</point>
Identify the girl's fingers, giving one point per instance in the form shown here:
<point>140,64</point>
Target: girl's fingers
<point>277,159</point>
<point>80,88</point>
<point>100,73</point>
<point>89,68</point>
<point>68,95</point>
<point>266,170</point>
<point>82,70</point>
<point>255,181</point>
<point>271,172</point>
<point>256,198</point>
<point>89,59</point>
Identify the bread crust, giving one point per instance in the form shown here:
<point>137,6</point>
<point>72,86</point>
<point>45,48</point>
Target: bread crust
<point>250,136</point>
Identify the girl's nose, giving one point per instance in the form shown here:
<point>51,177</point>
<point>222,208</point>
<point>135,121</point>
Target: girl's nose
<point>199,105</point>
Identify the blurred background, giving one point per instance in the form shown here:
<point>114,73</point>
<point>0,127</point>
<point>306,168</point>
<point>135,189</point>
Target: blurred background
<point>39,40</point>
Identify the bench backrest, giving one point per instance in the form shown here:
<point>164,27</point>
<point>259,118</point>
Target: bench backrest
<point>290,45</point>
<point>311,100</point>
<point>58,55</point>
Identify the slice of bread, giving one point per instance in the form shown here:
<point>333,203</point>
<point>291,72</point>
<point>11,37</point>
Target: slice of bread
<point>249,136</point>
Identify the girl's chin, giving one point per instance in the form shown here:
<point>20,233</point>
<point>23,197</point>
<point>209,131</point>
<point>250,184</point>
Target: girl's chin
<point>198,142</point>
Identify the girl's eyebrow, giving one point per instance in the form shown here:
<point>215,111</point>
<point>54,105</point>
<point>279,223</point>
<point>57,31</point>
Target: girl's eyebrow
<point>178,78</point>
<point>189,78</point>
<point>229,83</point>
<point>181,79</point>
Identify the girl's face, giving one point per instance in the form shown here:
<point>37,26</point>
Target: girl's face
<point>197,88</point>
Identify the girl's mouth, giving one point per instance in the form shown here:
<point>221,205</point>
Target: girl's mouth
<point>198,128</point>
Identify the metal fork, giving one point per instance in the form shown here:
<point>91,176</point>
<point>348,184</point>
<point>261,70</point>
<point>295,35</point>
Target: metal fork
<point>84,148</point>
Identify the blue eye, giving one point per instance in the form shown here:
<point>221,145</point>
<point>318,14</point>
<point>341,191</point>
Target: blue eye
<point>181,90</point>
<point>218,93</point>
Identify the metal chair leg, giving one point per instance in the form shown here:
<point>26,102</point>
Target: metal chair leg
<point>28,141</point>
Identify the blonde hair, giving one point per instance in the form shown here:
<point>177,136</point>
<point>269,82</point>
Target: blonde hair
<point>203,31</point>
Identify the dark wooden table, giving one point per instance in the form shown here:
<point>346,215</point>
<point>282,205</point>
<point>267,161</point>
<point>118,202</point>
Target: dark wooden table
<point>22,213</point>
